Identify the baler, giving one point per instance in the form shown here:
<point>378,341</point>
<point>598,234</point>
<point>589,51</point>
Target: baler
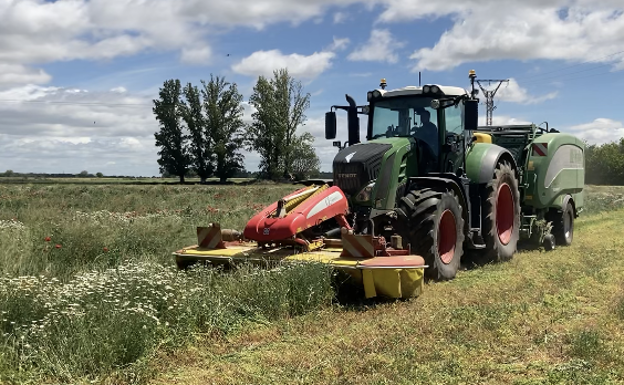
<point>428,188</point>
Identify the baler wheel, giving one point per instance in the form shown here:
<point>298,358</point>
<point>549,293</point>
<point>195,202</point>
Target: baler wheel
<point>563,225</point>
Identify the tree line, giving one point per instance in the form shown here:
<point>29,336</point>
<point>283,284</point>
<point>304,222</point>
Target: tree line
<point>604,164</point>
<point>202,131</point>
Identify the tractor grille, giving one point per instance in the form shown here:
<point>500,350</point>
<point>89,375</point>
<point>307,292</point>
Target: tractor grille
<point>355,166</point>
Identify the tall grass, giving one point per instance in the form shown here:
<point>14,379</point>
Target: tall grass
<point>105,322</point>
<point>60,230</point>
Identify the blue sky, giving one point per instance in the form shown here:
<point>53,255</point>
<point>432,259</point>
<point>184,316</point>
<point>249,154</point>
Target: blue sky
<point>563,58</point>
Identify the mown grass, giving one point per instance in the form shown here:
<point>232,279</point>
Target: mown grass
<point>542,318</point>
<point>107,305</point>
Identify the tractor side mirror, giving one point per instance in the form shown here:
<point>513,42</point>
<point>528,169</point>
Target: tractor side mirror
<point>330,125</point>
<point>471,115</point>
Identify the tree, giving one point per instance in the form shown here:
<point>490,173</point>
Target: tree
<point>172,139</point>
<point>280,105</point>
<point>604,164</point>
<point>224,117</point>
<point>263,134</point>
<point>99,175</point>
<point>305,162</point>
<point>290,106</point>
<point>200,143</point>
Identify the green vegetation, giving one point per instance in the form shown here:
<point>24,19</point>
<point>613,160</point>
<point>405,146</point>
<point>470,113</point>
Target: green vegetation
<point>203,130</point>
<point>605,163</point>
<point>280,109</point>
<point>107,305</point>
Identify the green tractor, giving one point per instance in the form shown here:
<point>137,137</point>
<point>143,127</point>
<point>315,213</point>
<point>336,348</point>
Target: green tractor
<point>428,187</point>
<point>449,187</point>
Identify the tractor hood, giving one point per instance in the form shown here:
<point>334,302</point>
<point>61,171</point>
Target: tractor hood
<point>355,166</point>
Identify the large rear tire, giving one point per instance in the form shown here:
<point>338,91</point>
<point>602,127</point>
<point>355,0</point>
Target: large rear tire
<point>501,208</point>
<point>434,230</point>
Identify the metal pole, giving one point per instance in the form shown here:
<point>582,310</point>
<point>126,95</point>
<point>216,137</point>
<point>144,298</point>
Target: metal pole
<point>489,97</point>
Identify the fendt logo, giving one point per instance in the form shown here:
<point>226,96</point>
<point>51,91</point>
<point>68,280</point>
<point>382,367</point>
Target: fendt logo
<point>348,157</point>
<point>353,175</point>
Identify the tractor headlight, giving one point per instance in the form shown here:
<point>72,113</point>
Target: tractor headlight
<point>366,193</point>
<point>369,96</point>
<point>435,89</point>
<point>426,89</point>
<point>376,94</point>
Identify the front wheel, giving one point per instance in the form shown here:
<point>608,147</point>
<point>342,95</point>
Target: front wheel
<point>435,230</point>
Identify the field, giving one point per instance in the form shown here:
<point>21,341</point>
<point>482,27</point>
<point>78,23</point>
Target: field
<point>36,180</point>
<point>89,294</point>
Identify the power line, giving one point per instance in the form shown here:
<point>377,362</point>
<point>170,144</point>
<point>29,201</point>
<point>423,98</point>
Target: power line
<point>489,97</point>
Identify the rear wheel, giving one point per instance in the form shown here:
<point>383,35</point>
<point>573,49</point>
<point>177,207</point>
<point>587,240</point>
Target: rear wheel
<point>501,208</point>
<point>563,225</point>
<point>434,230</point>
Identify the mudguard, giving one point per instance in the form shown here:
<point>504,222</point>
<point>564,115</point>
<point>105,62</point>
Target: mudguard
<point>482,159</point>
<point>447,180</point>
<point>305,211</point>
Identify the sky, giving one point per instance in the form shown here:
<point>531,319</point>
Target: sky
<point>77,77</point>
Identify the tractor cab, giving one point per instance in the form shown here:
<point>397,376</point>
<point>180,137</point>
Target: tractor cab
<point>432,117</point>
<point>411,132</point>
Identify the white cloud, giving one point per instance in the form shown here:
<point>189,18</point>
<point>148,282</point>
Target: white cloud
<point>339,17</point>
<point>506,29</point>
<point>601,130</point>
<point>503,120</point>
<point>199,55</point>
<point>120,90</point>
<point>512,92</point>
<point>111,156</point>
<point>299,66</point>
<point>17,74</point>
<point>69,113</point>
<point>34,32</point>
<point>339,44</point>
<point>380,47</point>
<point>259,13</point>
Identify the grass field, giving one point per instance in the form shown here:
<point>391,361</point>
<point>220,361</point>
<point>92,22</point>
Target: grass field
<point>89,294</point>
<point>35,180</point>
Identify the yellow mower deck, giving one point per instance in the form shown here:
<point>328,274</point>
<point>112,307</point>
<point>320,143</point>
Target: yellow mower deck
<point>393,277</point>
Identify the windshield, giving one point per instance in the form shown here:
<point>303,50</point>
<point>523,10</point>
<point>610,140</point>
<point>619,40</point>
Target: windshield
<point>405,116</point>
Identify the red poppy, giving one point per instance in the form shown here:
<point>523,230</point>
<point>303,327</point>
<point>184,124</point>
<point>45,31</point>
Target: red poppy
<point>105,249</point>
<point>58,246</point>
<point>47,239</point>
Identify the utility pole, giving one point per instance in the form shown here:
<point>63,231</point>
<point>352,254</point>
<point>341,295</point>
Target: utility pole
<point>489,96</point>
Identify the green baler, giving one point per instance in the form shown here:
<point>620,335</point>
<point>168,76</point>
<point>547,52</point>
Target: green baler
<point>551,176</point>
